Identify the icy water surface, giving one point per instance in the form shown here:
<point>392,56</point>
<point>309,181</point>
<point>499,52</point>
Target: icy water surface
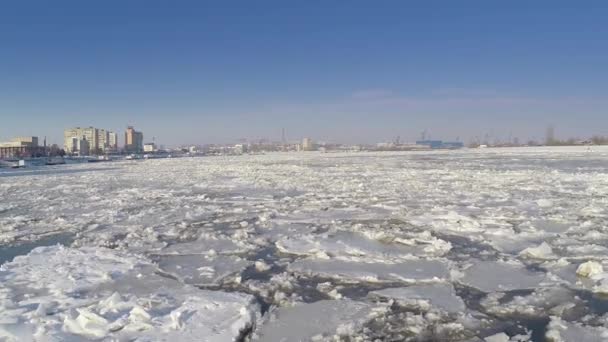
<point>10,251</point>
<point>473,245</point>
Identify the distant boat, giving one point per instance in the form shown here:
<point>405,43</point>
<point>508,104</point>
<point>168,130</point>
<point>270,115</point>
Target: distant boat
<point>14,164</point>
<point>8,163</point>
<point>55,161</point>
<point>100,159</point>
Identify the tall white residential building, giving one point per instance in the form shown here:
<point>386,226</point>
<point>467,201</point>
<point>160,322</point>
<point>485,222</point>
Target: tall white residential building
<point>103,139</point>
<point>98,140</point>
<point>307,144</point>
<point>113,141</point>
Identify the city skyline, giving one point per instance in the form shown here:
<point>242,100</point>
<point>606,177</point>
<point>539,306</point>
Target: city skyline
<point>194,73</point>
<point>548,136</point>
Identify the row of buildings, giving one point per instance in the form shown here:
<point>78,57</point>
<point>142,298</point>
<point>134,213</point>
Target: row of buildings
<point>84,141</point>
<point>77,141</point>
<point>22,147</point>
<point>89,140</point>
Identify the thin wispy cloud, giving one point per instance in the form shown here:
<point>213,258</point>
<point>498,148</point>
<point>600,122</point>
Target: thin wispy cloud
<point>371,94</point>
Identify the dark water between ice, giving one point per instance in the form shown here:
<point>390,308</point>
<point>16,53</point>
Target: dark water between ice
<point>9,252</point>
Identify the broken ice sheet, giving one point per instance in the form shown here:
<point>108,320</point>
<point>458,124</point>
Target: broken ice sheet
<point>539,303</point>
<point>477,198</point>
<point>322,319</point>
<point>440,296</point>
<point>408,271</point>
<point>59,294</point>
<point>489,276</point>
<point>354,246</point>
<point>559,330</point>
<point>209,245</point>
<point>202,269</point>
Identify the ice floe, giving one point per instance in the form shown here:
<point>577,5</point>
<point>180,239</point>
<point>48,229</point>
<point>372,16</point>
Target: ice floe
<point>59,294</point>
<point>409,271</point>
<point>440,296</point>
<point>202,270</point>
<point>562,331</point>
<point>520,234</point>
<point>500,276</point>
<point>322,320</point>
<point>352,246</point>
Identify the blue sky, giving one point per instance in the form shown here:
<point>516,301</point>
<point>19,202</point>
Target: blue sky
<point>346,71</point>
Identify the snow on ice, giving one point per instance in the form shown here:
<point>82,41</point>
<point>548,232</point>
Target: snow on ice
<point>471,245</point>
<point>56,293</point>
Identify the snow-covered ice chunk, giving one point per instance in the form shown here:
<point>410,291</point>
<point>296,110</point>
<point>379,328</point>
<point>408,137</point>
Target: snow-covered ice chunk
<point>202,269</point>
<point>428,296</point>
<point>354,246</point>
<point>500,337</point>
<point>490,276</point>
<point>543,252</point>
<point>313,322</point>
<point>562,331</point>
<point>448,221</point>
<point>59,294</point>
<point>540,303</point>
<point>551,226</point>
<point>408,271</point>
<point>208,246</point>
<point>590,269</point>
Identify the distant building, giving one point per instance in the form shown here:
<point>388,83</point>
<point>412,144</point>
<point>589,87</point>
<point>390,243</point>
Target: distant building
<point>21,147</point>
<point>78,147</point>
<point>83,147</point>
<point>134,140</point>
<point>438,144</point>
<point>149,147</point>
<point>103,140</point>
<point>307,144</point>
<point>98,140</point>
<point>113,141</point>
<point>239,149</point>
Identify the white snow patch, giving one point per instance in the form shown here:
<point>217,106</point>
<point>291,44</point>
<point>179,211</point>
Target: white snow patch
<point>59,294</point>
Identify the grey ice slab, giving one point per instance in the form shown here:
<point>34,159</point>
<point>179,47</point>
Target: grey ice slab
<point>559,330</point>
<point>354,245</point>
<point>490,276</point>
<point>408,271</point>
<point>304,322</point>
<point>206,246</point>
<point>200,269</point>
<point>441,296</point>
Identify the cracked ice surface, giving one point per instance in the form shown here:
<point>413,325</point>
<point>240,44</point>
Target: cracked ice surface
<point>57,293</point>
<point>410,271</point>
<point>499,276</point>
<point>322,319</point>
<point>517,238</point>
<point>439,295</point>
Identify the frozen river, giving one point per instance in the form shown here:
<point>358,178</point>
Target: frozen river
<point>489,245</point>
